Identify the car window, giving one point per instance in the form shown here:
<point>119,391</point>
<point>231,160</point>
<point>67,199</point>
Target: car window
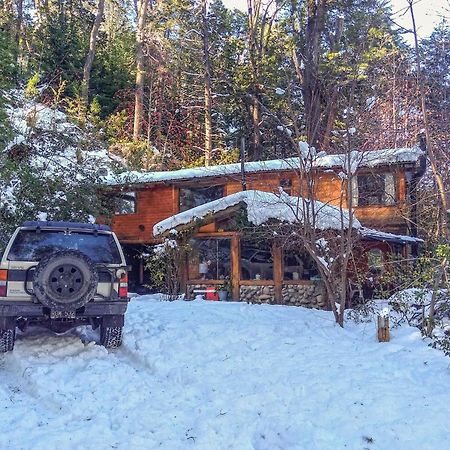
<point>33,246</point>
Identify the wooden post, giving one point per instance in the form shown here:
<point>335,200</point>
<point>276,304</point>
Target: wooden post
<point>278,272</point>
<point>235,267</point>
<point>383,328</point>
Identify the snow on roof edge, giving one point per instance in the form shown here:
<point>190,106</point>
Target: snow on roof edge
<point>261,207</point>
<point>385,236</point>
<point>358,159</point>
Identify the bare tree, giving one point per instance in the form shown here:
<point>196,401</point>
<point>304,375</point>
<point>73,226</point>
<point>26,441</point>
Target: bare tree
<point>260,20</point>
<point>207,83</point>
<point>142,8</point>
<point>442,199</point>
<point>442,195</point>
<point>90,59</point>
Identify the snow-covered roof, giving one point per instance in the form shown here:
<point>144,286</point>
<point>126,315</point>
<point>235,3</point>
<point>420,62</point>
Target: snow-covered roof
<point>388,237</point>
<point>346,162</point>
<point>262,207</point>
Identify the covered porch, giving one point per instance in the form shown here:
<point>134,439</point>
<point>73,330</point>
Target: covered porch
<point>250,271</point>
<point>251,267</point>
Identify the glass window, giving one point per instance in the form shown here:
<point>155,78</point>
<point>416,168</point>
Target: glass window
<point>125,203</point>
<point>286,185</point>
<point>375,189</point>
<point>375,260</point>
<point>33,246</point>
<point>210,259</point>
<point>192,197</point>
<point>298,266</point>
<point>256,261</point>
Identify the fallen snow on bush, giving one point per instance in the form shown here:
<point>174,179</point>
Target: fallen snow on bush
<point>212,375</point>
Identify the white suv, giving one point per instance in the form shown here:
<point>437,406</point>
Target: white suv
<point>61,275</point>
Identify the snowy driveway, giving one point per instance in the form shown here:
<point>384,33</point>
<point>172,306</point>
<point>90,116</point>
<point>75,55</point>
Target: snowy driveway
<point>210,375</point>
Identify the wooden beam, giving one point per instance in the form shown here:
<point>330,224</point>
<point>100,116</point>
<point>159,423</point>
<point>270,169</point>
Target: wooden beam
<point>278,272</point>
<point>235,267</point>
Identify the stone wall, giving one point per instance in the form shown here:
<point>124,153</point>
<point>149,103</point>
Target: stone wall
<point>307,295</point>
<point>257,294</point>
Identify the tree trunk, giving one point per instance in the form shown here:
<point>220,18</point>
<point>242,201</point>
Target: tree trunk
<point>19,5</point>
<point>253,14</point>
<point>311,89</point>
<point>207,81</point>
<point>256,122</point>
<point>140,70</point>
<point>90,59</point>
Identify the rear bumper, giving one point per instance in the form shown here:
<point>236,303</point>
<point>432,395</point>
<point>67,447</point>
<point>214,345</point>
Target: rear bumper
<point>92,309</point>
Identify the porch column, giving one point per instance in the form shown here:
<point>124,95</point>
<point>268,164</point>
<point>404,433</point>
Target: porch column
<point>235,267</point>
<point>278,272</point>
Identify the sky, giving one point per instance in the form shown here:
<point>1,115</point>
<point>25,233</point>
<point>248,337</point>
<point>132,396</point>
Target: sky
<point>427,12</point>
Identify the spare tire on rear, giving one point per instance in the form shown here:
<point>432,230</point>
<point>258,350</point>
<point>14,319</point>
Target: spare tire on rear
<point>65,280</point>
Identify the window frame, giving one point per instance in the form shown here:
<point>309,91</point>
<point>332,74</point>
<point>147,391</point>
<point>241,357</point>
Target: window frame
<point>131,196</point>
<point>385,195</point>
<point>192,188</point>
<point>241,268</point>
<point>191,279</point>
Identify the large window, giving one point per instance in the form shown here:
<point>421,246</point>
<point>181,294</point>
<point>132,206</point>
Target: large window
<point>210,259</point>
<point>298,266</point>
<point>256,261</point>
<point>125,203</point>
<point>374,189</point>
<point>192,197</point>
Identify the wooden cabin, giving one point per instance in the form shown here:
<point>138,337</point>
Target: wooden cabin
<point>383,198</point>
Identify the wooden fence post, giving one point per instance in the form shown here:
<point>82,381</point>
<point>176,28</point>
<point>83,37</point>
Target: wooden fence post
<point>383,326</point>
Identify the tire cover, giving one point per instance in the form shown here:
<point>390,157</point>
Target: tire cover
<point>65,280</point>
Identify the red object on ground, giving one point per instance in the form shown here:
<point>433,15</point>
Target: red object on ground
<point>211,293</point>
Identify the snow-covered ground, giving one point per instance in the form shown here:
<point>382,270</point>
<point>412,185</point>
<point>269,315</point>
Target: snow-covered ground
<point>212,375</point>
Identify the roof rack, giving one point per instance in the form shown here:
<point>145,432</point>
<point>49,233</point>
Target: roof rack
<point>69,225</point>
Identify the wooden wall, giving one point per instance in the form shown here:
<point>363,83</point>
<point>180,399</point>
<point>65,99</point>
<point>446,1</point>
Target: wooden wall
<point>157,202</point>
<point>153,205</point>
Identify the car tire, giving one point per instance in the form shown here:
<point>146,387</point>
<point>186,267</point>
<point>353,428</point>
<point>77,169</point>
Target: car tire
<point>110,337</point>
<point>65,280</point>
<point>7,339</point>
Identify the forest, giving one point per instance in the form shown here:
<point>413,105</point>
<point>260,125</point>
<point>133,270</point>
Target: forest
<point>164,85</point>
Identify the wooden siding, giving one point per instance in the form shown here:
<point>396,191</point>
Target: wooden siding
<point>157,202</point>
<point>154,204</point>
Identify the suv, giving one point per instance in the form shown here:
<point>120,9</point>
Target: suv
<point>61,275</point>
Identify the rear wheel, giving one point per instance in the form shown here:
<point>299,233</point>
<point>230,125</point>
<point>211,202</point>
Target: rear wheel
<point>111,337</point>
<point>111,331</point>
<point>7,338</point>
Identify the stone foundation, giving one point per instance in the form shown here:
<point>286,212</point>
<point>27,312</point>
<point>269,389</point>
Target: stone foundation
<point>306,295</point>
<point>257,294</point>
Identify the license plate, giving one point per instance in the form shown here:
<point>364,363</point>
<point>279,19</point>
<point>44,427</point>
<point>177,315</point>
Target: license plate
<point>62,314</point>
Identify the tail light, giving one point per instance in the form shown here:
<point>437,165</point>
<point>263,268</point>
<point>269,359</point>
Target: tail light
<point>123,286</point>
<point>3,282</point>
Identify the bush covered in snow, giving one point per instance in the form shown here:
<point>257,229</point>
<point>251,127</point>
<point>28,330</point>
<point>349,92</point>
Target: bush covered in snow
<point>50,167</point>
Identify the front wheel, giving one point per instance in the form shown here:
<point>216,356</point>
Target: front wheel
<point>7,338</point>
